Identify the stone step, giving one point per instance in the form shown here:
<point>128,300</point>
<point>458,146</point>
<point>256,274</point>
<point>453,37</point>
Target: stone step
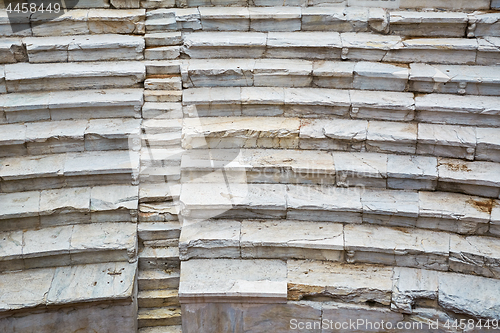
<point>68,245</point>
<point>164,175</point>
<point>452,212</point>
<point>168,316</point>
<point>162,329</point>
<point>158,279</point>
<point>163,140</point>
<point>163,96</point>
<point>69,286</point>
<point>341,46</point>
<point>158,230</point>
<point>338,19</point>
<point>362,75</point>
<point>162,192</point>
<point>162,53</point>
<point>65,105</point>
<point>157,298</point>
<point>159,212</point>
<point>404,4</point>
<point>163,39</point>
<point>105,47</point>
<point>48,208</point>
<point>464,142</point>
<point>158,258</point>
<point>355,104</point>
<point>160,111</point>
<point>345,169</point>
<point>63,136</point>
<point>225,280</point>
<point>93,168</point>
<point>26,77</point>
<point>77,21</point>
<point>171,83</point>
<point>157,157</point>
<point>336,242</point>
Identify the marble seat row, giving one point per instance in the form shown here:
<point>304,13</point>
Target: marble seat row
<point>362,75</point>
<point>68,245</point>
<point>65,105</point>
<point>49,293</point>
<point>340,19</point>
<point>26,77</point>
<point>335,242</point>
<point>358,46</point>
<point>68,206</point>
<point>48,137</point>
<point>336,134</point>
<point>348,290</point>
<point>76,21</point>
<point>91,168</point>
<point>344,169</point>
<point>444,211</point>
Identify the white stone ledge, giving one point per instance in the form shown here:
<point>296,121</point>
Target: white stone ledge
<point>363,75</point>
<point>68,245</point>
<point>451,212</point>
<point>343,243</point>
<point>50,137</point>
<point>332,134</point>
<point>104,47</point>
<point>91,168</point>
<point>344,46</point>
<point>54,287</point>
<point>23,77</point>
<point>220,280</point>
<point>46,208</point>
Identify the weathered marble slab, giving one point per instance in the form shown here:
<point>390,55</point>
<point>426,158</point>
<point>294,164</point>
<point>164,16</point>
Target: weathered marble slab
<point>339,281</point>
<point>24,77</point>
<point>360,169</point>
<point>411,172</point>
<point>476,255</point>
<point>453,212</point>
<point>476,178</point>
<point>446,141</point>
<point>459,110</point>
<point>390,208</point>
<point>233,200</point>
<point>290,239</point>
<point>226,280</point>
<point>455,79</point>
<point>323,203</point>
<point>210,240</point>
<point>396,246</point>
<point>231,132</point>
<point>411,286</point>
<point>428,24</point>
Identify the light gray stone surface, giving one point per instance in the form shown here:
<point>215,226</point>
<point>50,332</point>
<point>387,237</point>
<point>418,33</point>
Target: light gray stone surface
<point>390,208</point>
<point>323,203</point>
<point>411,172</point>
<point>397,246</point>
<point>457,294</point>
<point>453,212</point>
<point>290,239</point>
<point>344,282</point>
<point>227,280</point>
<point>412,285</point>
<point>476,178</point>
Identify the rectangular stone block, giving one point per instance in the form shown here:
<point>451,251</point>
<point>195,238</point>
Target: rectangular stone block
<point>290,239</point>
<point>227,281</point>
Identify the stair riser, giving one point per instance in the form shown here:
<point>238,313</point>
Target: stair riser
<point>158,303</point>
<point>167,283</point>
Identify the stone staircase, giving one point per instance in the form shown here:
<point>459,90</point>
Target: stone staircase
<point>255,164</point>
<point>337,160</point>
<point>70,143</point>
